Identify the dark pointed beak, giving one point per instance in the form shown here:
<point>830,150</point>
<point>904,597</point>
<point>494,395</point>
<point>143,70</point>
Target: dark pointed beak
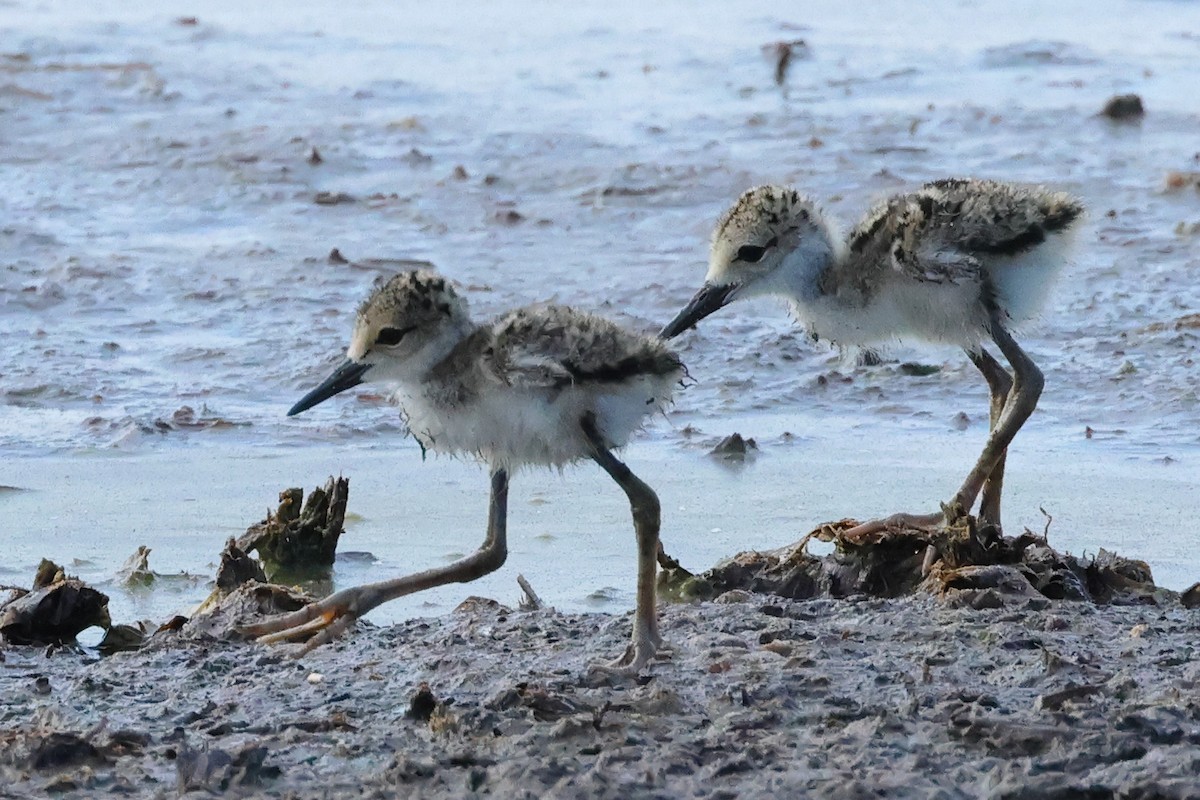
<point>346,376</point>
<point>706,301</point>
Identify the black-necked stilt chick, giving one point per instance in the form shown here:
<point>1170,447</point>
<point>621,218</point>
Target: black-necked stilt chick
<point>956,261</point>
<point>543,385</point>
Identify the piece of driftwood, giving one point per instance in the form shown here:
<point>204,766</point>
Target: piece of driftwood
<point>531,601</point>
<point>237,567</point>
<point>220,615</point>
<point>734,448</point>
<point>300,537</point>
<point>122,638</point>
<point>950,560</point>
<point>136,569</point>
<point>55,611</point>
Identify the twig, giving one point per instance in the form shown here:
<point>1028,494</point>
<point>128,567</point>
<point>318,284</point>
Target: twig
<point>931,557</point>
<point>1046,530</point>
<point>670,564</point>
<point>598,714</point>
<point>531,601</point>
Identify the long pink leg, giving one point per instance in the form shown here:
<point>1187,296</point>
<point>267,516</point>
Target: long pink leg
<point>1027,385</point>
<point>329,617</point>
<point>999,385</point>
<point>1021,401</point>
<point>644,505</point>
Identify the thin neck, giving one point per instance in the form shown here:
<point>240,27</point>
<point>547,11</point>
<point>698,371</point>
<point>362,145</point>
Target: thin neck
<point>806,270</point>
<point>459,361</point>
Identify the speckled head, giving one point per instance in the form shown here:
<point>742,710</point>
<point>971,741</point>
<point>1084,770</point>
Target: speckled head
<point>403,314</point>
<point>407,325</point>
<point>766,243</point>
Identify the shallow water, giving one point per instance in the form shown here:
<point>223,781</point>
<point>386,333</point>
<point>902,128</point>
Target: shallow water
<point>166,290</point>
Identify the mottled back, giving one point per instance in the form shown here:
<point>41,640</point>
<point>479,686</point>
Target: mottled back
<point>942,231</point>
<point>558,346</point>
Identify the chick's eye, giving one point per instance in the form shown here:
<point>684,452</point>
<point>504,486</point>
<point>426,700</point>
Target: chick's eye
<point>391,336</point>
<point>750,253</point>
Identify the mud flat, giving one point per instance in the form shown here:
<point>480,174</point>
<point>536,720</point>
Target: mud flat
<point>762,696</point>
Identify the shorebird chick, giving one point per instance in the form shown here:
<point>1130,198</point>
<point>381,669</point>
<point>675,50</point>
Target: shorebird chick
<point>541,385</point>
<point>956,261</point>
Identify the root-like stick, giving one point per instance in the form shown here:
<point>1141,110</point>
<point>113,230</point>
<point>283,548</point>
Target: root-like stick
<point>1049,519</point>
<point>931,557</point>
<point>531,602</point>
<point>669,564</point>
<point>598,714</point>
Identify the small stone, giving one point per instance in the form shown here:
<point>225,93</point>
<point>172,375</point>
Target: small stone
<point>332,198</point>
<point>1053,701</point>
<point>919,370</point>
<point>422,704</point>
<point>1124,108</point>
<point>1177,181</point>
<point>61,785</point>
<point>407,124</point>
<point>734,448</point>
<point>784,649</point>
<point>1191,596</point>
<point>416,158</point>
<point>987,598</point>
<point>572,726</point>
<point>57,751</point>
<point>733,596</point>
<point>314,678</point>
<point>121,638</point>
<point>1139,631</point>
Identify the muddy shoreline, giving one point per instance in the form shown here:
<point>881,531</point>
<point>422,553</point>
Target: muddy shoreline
<point>761,696</point>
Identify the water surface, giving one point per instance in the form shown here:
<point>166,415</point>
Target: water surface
<point>166,287</point>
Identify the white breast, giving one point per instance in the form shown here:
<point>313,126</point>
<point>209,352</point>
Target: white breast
<point>513,426</point>
<point>1023,282</point>
<point>949,312</point>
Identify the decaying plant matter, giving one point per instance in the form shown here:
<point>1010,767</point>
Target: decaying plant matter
<point>300,536</point>
<point>963,560</point>
<point>54,611</point>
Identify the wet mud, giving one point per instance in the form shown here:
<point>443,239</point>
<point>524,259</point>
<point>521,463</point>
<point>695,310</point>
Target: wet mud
<point>908,662</point>
<point>766,696</point>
